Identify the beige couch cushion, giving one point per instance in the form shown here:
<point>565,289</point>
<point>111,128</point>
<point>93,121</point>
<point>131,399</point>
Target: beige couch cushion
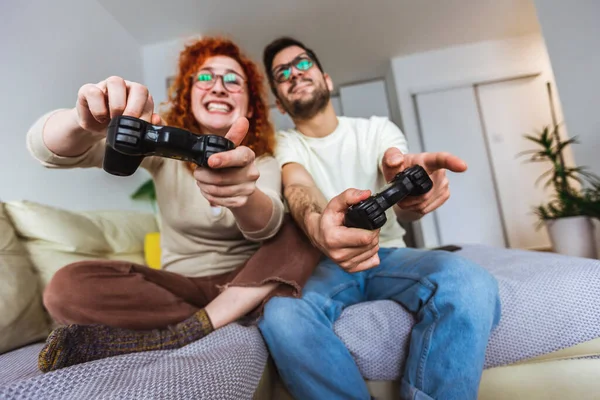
<point>22,317</point>
<point>56,237</point>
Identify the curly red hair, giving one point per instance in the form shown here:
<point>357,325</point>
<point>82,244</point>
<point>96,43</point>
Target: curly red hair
<point>261,135</point>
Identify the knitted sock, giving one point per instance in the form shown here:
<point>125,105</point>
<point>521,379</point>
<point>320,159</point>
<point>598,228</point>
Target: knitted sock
<point>75,344</point>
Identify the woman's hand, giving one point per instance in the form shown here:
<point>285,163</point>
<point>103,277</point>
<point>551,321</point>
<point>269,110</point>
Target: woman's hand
<point>98,103</point>
<point>72,132</point>
<point>231,179</point>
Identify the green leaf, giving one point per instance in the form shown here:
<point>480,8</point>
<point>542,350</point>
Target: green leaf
<point>545,174</point>
<point>535,160</point>
<point>534,139</point>
<point>146,191</point>
<point>523,153</point>
<point>564,144</point>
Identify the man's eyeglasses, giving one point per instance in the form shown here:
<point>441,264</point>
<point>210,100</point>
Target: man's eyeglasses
<point>232,82</point>
<point>284,71</point>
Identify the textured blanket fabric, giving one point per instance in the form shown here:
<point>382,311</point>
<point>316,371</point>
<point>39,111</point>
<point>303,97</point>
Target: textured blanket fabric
<point>227,364</point>
<point>549,302</point>
<point>19,365</point>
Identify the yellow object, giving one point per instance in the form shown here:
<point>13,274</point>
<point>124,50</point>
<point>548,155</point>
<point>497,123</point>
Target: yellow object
<point>152,250</point>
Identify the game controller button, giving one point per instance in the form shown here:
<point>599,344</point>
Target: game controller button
<point>372,208</point>
<point>426,186</point>
<point>418,174</point>
<point>215,140</point>
<point>152,135</point>
<point>126,139</point>
<point>373,214</point>
<point>129,132</point>
<point>198,146</point>
<point>379,220</point>
<point>164,137</point>
<point>131,123</point>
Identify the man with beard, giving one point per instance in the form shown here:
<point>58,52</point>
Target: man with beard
<point>329,163</point>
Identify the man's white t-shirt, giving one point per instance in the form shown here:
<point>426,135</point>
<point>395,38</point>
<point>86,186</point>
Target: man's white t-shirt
<point>349,157</point>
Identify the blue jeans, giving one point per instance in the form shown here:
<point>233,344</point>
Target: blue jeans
<point>456,305</point>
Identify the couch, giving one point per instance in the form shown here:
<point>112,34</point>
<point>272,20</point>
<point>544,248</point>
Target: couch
<point>547,345</point>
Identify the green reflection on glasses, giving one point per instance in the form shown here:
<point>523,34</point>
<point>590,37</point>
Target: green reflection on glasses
<point>283,72</point>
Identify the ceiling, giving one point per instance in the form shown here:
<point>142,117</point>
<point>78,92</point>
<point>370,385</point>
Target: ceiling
<point>354,39</point>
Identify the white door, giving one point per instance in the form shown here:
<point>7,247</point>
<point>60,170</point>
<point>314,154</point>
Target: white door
<point>511,109</point>
<point>492,203</point>
<point>450,122</point>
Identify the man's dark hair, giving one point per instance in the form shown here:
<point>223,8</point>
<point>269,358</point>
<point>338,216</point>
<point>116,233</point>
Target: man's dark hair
<point>275,47</point>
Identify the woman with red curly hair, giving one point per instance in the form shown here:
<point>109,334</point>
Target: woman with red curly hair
<point>226,244</point>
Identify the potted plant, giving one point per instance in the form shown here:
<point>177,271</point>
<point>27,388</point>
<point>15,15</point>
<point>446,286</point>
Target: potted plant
<point>575,201</point>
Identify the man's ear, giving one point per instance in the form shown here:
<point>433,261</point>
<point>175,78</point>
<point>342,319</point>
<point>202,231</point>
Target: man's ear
<point>328,81</point>
<point>250,112</point>
<point>279,106</point>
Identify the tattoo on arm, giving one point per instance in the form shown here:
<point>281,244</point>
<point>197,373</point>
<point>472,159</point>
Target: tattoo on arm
<point>303,201</point>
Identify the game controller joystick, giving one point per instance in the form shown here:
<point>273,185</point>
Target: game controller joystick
<point>370,213</point>
<point>129,140</point>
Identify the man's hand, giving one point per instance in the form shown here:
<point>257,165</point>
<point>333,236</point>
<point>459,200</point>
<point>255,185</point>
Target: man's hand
<point>435,164</point>
<point>351,248</point>
<point>232,179</point>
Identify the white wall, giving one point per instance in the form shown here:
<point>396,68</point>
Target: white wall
<point>392,96</point>
<point>50,49</point>
<point>160,62</point>
<point>572,35</point>
<point>462,65</point>
<point>365,99</point>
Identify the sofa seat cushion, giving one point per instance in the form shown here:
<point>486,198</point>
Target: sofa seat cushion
<point>56,237</point>
<point>22,317</point>
<point>549,302</point>
<point>227,364</point>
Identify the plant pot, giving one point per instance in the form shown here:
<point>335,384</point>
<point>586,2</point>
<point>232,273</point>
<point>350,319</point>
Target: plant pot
<point>573,236</point>
<point>596,224</point>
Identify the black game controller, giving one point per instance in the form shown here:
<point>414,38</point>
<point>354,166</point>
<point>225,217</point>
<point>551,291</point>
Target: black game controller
<point>130,139</point>
<point>370,213</point>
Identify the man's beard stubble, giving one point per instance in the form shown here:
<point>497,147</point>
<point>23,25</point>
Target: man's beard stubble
<point>305,109</point>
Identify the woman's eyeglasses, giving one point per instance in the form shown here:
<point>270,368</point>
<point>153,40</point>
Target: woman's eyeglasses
<point>232,82</point>
<point>283,72</point>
